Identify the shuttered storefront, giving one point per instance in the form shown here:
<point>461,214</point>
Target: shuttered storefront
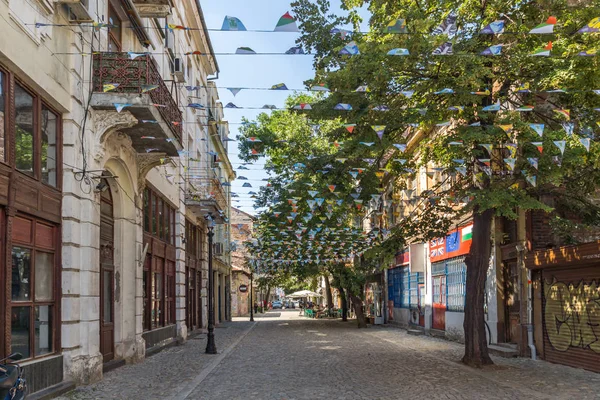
<point>571,316</point>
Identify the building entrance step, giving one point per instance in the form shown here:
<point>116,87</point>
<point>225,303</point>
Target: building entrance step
<point>506,350</point>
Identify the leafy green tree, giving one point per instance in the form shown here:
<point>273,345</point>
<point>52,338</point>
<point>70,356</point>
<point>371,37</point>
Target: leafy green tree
<point>497,162</point>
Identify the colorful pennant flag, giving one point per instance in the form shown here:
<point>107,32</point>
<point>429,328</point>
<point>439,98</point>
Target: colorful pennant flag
<point>350,49</point>
<point>493,28</point>
<point>397,26</point>
<point>321,87</point>
<point>444,49</point>
<point>107,87</point>
<point>132,55</point>
<point>564,113</point>
<point>400,146</point>
<point>586,141</point>
<point>121,106</point>
<point>568,127</point>
<point>506,128</point>
<point>592,27</point>
<point>546,27</point>
<point>279,86</point>
<point>492,108</point>
<point>148,88</point>
<point>379,129</point>
<point>561,144</point>
<point>343,107</point>
<point>538,128</point>
<point>234,91</point>
<point>494,50</point>
<point>232,24</point>
<point>448,27</point>
<point>542,51</point>
<point>244,50</point>
<point>533,161</point>
<point>303,106</point>
<point>398,52</point>
<point>286,23</point>
<point>532,180</point>
<point>295,50</point>
<point>539,146</point>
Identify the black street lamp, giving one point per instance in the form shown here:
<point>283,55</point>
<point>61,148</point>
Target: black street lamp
<point>251,301</point>
<point>211,347</point>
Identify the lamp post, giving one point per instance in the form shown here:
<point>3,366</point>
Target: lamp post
<point>251,301</point>
<point>211,348</point>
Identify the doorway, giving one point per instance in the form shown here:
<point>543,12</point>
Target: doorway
<point>512,303</point>
<point>107,273</point>
<point>439,302</point>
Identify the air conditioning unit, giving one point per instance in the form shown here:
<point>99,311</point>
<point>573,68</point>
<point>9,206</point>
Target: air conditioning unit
<point>218,249</point>
<point>78,10</point>
<point>179,70</point>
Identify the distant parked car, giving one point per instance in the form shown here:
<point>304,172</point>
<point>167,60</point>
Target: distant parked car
<point>277,304</point>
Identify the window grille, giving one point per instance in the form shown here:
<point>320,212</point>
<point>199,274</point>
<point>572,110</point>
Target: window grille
<point>456,283</point>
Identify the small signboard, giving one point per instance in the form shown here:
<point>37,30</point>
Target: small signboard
<point>243,288</point>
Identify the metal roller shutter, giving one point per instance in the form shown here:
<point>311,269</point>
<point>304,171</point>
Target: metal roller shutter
<point>571,316</point>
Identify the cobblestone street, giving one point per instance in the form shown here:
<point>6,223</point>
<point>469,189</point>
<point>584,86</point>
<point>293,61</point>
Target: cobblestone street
<point>285,356</point>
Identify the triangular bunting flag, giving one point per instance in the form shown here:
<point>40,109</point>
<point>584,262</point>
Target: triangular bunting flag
<point>561,144</point>
<point>538,128</point>
<point>286,23</point>
<point>379,129</point>
<point>232,24</point>
<point>546,27</point>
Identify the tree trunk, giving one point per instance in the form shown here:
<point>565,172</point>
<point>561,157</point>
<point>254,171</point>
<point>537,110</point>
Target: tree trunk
<point>328,292</point>
<point>357,303</point>
<point>477,261</point>
<point>268,294</point>
<point>344,304</point>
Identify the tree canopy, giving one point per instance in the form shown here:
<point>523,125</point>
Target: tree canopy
<point>494,103</point>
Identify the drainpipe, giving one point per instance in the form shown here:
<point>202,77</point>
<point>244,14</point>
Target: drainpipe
<point>520,251</point>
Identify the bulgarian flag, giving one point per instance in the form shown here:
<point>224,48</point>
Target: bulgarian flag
<point>466,233</point>
<point>546,27</point>
<point>542,51</point>
<point>286,23</point>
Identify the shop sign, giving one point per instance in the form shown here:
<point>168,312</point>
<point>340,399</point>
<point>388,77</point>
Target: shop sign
<point>243,288</point>
<point>456,243</point>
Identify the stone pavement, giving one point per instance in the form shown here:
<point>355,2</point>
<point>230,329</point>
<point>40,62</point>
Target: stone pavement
<point>285,356</point>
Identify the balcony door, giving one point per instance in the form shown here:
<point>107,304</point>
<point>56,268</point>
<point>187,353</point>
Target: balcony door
<point>115,34</point>
<point>107,274</point>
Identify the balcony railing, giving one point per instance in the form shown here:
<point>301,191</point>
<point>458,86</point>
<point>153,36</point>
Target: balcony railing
<point>209,197</point>
<point>133,76</point>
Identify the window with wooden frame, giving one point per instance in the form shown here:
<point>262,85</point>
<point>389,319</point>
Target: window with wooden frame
<point>159,217</point>
<point>115,32</point>
<point>159,272</point>
<point>33,301</point>
<point>37,132</point>
<point>3,116</point>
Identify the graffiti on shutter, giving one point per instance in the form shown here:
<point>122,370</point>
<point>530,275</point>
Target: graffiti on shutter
<point>572,315</point>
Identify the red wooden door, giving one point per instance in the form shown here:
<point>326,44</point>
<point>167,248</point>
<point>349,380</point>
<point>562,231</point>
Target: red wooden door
<point>107,273</point>
<point>439,302</point>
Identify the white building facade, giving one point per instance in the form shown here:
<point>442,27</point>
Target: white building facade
<point>113,163</point>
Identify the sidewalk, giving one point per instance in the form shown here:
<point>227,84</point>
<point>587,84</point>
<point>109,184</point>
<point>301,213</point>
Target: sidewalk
<point>161,376</point>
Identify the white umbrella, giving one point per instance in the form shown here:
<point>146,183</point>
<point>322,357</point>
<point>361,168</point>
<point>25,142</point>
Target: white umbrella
<point>304,293</point>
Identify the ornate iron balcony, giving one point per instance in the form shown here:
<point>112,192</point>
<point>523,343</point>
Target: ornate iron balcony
<point>138,84</point>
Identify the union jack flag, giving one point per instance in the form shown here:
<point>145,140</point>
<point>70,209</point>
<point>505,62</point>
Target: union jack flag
<point>437,247</point>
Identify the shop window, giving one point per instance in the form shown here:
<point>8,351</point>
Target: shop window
<point>159,293</point>
<point>33,283</point>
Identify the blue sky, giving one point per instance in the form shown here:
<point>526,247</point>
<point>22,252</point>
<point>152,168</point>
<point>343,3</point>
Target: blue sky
<point>253,71</point>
